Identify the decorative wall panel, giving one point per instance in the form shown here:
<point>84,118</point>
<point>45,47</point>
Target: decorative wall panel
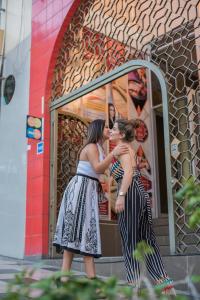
<point>105,34</point>
<point>72,132</point>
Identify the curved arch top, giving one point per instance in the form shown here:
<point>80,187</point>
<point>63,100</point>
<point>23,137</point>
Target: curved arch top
<point>112,75</point>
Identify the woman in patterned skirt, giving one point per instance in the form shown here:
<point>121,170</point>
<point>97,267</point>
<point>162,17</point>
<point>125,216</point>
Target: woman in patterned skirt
<point>134,212</point>
<point>77,228</point>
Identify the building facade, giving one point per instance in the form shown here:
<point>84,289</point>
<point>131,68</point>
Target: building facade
<point>81,67</point>
<point>15,22</point>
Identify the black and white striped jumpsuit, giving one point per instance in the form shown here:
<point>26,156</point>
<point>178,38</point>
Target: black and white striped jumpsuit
<point>135,225</point>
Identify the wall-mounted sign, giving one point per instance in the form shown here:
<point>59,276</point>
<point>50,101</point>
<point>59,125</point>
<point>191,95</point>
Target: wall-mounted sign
<point>34,128</point>
<point>9,88</point>
<point>174,148</point>
<point>40,148</point>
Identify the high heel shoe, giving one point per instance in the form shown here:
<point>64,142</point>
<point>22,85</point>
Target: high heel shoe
<point>167,287</point>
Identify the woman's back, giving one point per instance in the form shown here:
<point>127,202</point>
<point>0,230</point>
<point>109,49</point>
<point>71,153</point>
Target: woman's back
<point>117,170</point>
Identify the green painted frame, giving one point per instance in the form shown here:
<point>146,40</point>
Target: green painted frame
<point>108,77</point>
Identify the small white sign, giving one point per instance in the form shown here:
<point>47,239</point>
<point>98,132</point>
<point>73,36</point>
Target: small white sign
<point>174,148</point>
<point>40,148</point>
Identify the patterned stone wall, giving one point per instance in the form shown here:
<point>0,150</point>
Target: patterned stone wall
<point>105,34</point>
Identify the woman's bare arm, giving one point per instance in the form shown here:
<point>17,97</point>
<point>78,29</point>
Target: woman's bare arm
<point>93,158</point>
<point>101,166</point>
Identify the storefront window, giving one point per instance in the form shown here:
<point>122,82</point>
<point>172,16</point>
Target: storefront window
<point>126,97</point>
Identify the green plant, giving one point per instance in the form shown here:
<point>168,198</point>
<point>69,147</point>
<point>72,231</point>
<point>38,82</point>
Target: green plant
<point>65,286</point>
<point>189,197</point>
<point>142,250</point>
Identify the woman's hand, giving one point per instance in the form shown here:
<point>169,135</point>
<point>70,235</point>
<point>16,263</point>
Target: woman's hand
<point>120,149</point>
<point>120,203</point>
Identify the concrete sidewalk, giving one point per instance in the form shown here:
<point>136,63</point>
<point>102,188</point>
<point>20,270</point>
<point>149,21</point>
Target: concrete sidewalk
<point>10,267</point>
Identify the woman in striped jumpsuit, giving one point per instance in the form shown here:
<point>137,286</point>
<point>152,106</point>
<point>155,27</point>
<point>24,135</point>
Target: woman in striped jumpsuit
<point>134,212</point>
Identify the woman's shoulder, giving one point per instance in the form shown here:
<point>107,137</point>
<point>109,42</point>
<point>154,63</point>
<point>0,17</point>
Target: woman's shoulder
<point>129,157</point>
<point>130,148</point>
<point>91,147</point>
<point>87,150</point>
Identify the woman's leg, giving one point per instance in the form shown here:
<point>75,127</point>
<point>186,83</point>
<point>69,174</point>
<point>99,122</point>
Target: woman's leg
<point>128,222</point>
<point>89,266</point>
<point>154,261</point>
<point>67,261</point>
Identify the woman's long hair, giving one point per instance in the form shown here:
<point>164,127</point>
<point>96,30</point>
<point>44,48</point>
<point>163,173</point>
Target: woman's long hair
<point>95,133</point>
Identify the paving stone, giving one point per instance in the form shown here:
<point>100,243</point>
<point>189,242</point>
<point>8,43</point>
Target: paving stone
<point>8,271</point>
<point>51,269</point>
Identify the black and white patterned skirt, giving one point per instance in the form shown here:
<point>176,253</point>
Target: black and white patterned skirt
<point>77,227</point>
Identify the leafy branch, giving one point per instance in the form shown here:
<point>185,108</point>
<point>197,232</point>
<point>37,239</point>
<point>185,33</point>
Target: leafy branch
<point>189,197</point>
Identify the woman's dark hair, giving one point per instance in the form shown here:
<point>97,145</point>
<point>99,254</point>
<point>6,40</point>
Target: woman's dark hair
<point>95,131</point>
<point>127,127</point>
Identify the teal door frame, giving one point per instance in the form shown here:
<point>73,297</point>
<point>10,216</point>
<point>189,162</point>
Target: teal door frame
<point>110,76</point>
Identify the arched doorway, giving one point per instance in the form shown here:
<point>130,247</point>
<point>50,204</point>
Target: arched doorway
<point>101,38</point>
<point>72,120</point>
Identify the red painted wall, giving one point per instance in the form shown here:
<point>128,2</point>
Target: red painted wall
<point>49,21</point>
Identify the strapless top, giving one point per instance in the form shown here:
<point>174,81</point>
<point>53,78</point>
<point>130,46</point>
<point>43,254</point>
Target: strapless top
<point>84,167</point>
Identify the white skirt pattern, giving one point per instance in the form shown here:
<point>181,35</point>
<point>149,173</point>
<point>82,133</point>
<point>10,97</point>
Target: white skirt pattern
<point>77,227</point>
